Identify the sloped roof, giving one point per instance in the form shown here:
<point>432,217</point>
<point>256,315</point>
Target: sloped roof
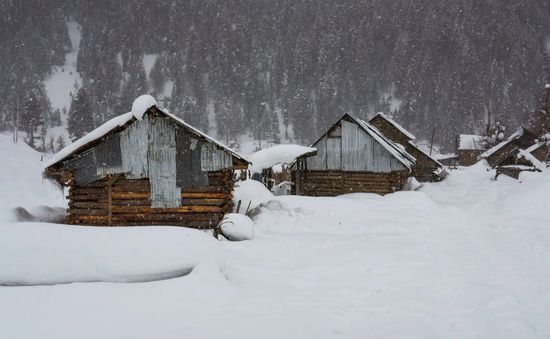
<point>536,146</point>
<point>395,124</point>
<point>398,152</point>
<point>85,142</point>
<point>407,134</point>
<point>503,143</point>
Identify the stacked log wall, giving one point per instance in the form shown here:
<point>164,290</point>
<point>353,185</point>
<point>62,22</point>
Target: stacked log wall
<point>332,183</point>
<point>127,202</point>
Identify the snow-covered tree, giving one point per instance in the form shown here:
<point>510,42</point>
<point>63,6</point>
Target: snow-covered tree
<point>80,120</point>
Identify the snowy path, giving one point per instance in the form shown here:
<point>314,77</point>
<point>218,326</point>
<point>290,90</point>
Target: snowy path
<point>467,258</point>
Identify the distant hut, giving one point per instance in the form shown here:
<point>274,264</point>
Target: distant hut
<point>352,156</point>
<point>532,159</point>
<point>497,155</point>
<point>426,168</point>
<point>147,168</point>
<point>272,165</point>
<point>468,148</point>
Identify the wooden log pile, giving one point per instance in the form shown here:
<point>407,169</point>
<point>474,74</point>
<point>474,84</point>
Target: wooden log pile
<point>118,201</point>
<point>332,183</point>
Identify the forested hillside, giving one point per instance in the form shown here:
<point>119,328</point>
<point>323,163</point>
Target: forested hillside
<point>274,69</point>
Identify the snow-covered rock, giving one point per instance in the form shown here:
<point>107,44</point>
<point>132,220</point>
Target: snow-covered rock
<point>142,104</point>
<point>237,227</point>
<point>250,192</point>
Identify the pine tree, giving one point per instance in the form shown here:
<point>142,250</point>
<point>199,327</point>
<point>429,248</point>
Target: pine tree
<point>80,116</point>
<point>31,117</point>
<point>539,120</point>
<point>60,143</point>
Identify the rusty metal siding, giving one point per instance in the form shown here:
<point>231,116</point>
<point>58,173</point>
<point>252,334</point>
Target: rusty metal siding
<point>319,161</point>
<point>188,161</point>
<point>334,153</point>
<point>108,156</point>
<point>162,164</point>
<point>134,147</point>
<point>84,167</point>
<point>214,159</point>
<point>360,152</point>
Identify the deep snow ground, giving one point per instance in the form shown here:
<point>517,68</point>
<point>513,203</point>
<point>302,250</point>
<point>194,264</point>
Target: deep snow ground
<point>465,258</point>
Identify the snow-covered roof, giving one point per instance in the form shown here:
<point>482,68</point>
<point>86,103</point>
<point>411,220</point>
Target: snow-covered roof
<point>445,156</point>
<point>426,154</point>
<point>531,158</point>
<point>503,143</point>
<point>97,133</point>
<point>398,152</point>
<point>279,154</point>
<point>535,146</point>
<point>396,125</point>
<point>121,120</point>
<point>471,142</point>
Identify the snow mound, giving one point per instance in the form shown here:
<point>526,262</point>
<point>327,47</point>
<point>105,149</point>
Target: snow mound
<point>22,184</point>
<point>48,254</point>
<point>250,191</point>
<point>237,227</point>
<point>279,154</point>
<point>142,104</point>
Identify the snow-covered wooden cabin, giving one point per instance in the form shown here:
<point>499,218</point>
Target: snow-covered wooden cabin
<point>469,147</point>
<point>535,158</point>
<point>425,168</point>
<point>498,154</point>
<point>352,156</point>
<point>146,167</point>
<point>272,165</point>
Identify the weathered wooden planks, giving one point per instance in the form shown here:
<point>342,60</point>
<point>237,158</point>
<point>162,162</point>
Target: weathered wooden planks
<point>320,183</point>
<point>126,202</point>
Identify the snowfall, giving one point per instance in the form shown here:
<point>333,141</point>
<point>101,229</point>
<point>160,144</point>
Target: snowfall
<point>468,257</point>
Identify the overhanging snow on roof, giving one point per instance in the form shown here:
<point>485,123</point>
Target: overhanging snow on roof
<point>121,120</point>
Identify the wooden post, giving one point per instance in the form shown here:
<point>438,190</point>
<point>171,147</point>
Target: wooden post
<point>109,201</point>
<point>110,180</point>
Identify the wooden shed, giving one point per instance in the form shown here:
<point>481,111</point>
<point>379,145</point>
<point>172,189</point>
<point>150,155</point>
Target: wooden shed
<point>352,156</point>
<point>147,169</point>
<point>468,148</point>
<point>497,155</point>
<point>532,159</point>
<point>425,168</point>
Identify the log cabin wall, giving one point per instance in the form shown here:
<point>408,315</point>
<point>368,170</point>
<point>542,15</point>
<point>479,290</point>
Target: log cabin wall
<point>117,201</point>
<point>332,183</point>
<point>468,157</point>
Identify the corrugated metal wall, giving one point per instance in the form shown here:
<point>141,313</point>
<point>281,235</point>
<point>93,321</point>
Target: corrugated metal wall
<point>360,152</point>
<point>214,159</point>
<point>319,162</point>
<point>134,146</point>
<point>162,164</point>
<point>354,151</point>
<point>154,148</point>
<point>334,153</point>
<point>188,161</point>
<point>84,167</point>
<point>108,156</point>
